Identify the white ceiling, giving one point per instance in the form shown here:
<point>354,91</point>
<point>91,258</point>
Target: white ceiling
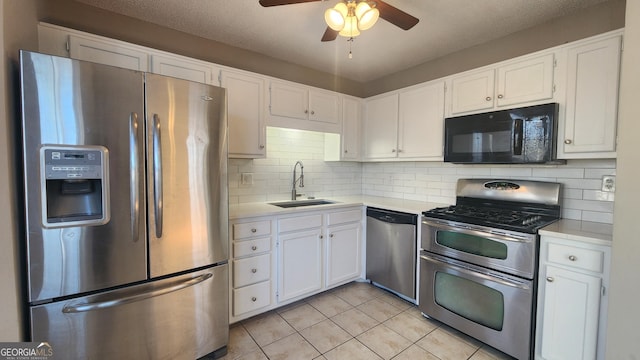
<point>292,32</point>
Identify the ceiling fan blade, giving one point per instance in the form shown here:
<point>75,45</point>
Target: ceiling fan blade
<point>267,3</point>
<point>395,16</point>
<point>329,35</point>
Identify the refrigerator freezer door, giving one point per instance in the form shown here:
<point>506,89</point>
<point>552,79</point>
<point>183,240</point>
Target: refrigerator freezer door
<point>184,317</point>
<point>67,102</point>
<point>187,174</point>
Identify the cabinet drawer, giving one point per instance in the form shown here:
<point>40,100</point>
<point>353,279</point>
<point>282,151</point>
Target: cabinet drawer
<point>300,223</point>
<point>252,297</point>
<point>586,259</point>
<point>251,229</point>
<point>251,247</point>
<point>251,270</point>
<point>343,217</point>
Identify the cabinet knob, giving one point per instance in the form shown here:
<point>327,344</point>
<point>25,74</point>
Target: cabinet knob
<point>399,150</point>
<point>253,298</point>
<point>568,141</point>
<point>550,279</point>
<point>254,230</point>
<point>488,98</point>
<point>254,270</point>
<point>321,236</point>
<point>573,258</point>
<point>254,248</point>
<point>346,151</point>
<point>331,235</point>
<point>500,96</point>
<point>261,146</point>
<point>306,111</point>
<point>312,112</point>
<point>393,150</point>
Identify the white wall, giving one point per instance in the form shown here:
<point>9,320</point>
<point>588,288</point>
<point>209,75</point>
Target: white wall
<point>623,335</point>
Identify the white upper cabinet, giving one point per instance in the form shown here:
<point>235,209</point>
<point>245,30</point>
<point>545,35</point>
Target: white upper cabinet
<point>380,127</point>
<point>186,69</point>
<point>351,113</point>
<point>523,81</point>
<point>591,107</point>
<point>246,114</point>
<point>405,125</point>
<point>114,53</point>
<point>421,122</point>
<point>301,102</point>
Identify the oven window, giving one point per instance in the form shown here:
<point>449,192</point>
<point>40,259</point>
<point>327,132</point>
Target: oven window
<point>472,244</point>
<point>469,299</point>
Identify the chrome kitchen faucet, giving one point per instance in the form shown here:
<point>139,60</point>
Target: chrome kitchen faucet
<point>294,194</point>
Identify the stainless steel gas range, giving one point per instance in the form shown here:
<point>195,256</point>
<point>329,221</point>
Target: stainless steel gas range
<point>478,260</point>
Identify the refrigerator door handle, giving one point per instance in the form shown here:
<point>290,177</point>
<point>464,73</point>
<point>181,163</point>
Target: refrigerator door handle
<point>118,301</point>
<point>157,174</point>
<point>135,172</point>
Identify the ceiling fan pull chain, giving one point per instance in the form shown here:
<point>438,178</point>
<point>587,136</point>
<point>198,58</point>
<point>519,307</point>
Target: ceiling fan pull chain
<point>350,42</point>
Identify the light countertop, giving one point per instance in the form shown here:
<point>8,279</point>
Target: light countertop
<point>585,231</point>
<point>244,210</point>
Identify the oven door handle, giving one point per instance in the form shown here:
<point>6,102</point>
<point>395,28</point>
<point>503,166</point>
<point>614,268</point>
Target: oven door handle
<point>476,272</point>
<point>472,230</point>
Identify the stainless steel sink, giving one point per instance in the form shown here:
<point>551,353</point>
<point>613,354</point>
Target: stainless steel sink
<point>298,203</point>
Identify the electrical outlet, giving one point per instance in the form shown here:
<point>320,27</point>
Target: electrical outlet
<point>609,183</point>
<point>246,178</point>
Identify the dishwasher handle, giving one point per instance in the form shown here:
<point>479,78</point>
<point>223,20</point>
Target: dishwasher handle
<point>392,217</point>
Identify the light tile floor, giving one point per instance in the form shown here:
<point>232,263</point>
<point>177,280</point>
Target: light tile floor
<point>354,321</point>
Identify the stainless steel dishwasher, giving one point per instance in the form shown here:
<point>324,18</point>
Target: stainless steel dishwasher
<point>392,250</point>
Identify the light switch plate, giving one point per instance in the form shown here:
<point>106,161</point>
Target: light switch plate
<point>246,179</point>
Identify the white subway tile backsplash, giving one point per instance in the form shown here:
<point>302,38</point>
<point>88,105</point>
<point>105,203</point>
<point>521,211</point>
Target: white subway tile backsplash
<point>582,198</point>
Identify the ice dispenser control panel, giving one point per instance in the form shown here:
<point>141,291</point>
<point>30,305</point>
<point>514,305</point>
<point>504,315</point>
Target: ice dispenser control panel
<point>75,185</point>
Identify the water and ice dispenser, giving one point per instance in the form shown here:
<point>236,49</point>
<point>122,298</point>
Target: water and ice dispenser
<point>75,185</point>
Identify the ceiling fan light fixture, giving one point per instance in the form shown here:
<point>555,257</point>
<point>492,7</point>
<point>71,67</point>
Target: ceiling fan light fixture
<point>350,27</point>
<point>366,15</point>
<point>335,17</point>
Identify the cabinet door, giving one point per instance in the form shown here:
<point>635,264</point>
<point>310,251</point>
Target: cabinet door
<point>245,113</point>
<point>180,68</point>
<point>300,271</point>
<point>472,92</point>
<point>289,101</point>
<point>343,253</point>
<point>570,318</point>
<point>350,129</point>
<point>324,107</point>
<point>380,127</point>
<point>109,53</point>
<point>592,98</point>
<point>421,122</point>
<point>525,81</point>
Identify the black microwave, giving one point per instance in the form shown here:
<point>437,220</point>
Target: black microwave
<point>515,136</point>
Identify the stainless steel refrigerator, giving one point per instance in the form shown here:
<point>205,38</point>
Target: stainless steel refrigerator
<point>125,179</point>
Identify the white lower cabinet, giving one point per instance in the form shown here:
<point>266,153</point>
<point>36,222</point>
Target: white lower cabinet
<point>318,251</point>
<point>572,300</point>
<point>253,263</point>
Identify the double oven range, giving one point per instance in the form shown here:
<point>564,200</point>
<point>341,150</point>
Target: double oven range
<point>478,260</point>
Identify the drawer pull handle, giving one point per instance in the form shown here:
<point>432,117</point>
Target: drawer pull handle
<point>253,298</point>
<point>254,248</point>
<point>573,258</point>
<point>253,230</point>
<point>549,279</point>
<point>254,270</point>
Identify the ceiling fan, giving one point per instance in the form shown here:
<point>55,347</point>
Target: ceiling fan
<point>351,9</point>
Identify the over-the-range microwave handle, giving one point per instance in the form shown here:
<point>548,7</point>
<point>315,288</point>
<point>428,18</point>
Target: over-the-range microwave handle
<point>142,295</point>
<point>471,230</point>
<point>157,175</point>
<point>134,184</point>
<point>476,272</point>
<point>518,134</point>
